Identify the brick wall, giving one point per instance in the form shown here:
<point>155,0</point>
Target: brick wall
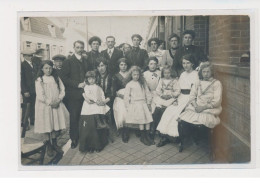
<point>228,40</point>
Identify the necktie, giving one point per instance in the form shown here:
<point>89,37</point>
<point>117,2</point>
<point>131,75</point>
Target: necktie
<point>110,53</point>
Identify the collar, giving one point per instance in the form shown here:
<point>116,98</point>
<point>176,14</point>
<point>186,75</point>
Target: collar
<point>136,48</point>
<point>187,47</point>
<point>112,50</point>
<point>173,48</point>
<point>95,52</point>
<point>29,62</point>
<point>78,56</point>
<point>56,68</point>
<point>37,56</point>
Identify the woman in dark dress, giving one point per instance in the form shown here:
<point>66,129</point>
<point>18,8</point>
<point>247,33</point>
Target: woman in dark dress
<point>137,56</point>
<point>92,56</point>
<point>119,82</point>
<point>188,48</point>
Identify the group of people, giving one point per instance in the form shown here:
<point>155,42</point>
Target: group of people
<point>129,89</point>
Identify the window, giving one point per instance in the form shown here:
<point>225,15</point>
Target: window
<point>52,30</point>
<point>39,45</point>
<point>28,44</point>
<point>61,49</point>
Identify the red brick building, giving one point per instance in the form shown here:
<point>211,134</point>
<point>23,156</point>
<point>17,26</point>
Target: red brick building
<point>224,39</point>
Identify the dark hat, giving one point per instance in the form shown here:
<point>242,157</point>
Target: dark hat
<point>59,56</point>
<point>28,52</point>
<point>39,51</point>
<point>94,38</point>
<point>138,36</point>
<point>191,32</point>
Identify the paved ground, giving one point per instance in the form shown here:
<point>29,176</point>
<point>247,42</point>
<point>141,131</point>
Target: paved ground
<point>135,153</point>
<point>31,138</point>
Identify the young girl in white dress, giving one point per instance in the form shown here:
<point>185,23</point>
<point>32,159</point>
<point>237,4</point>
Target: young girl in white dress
<point>120,81</point>
<point>168,126</point>
<point>167,92</point>
<point>138,100</point>
<point>51,115</point>
<point>205,100</point>
<point>93,126</point>
<point>152,77</point>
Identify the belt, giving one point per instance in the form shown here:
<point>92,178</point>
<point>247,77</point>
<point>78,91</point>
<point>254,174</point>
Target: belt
<point>185,91</point>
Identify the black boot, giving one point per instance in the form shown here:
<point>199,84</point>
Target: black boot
<point>163,141</point>
<point>125,135</point>
<point>149,139</point>
<point>144,139</point>
<point>137,133</point>
<point>56,147</point>
<point>50,151</point>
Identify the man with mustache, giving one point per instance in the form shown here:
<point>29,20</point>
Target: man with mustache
<point>72,75</point>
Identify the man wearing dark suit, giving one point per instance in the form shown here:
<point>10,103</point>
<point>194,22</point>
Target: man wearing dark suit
<point>28,76</point>
<point>73,74</point>
<point>112,55</point>
<point>37,58</point>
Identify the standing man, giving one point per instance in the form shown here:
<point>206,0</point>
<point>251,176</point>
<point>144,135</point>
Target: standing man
<point>112,55</point>
<point>189,48</point>
<point>137,56</point>
<point>72,75</point>
<point>58,61</point>
<point>169,55</point>
<point>28,76</point>
<point>37,57</point>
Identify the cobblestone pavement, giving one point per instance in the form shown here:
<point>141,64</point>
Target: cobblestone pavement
<point>135,153</point>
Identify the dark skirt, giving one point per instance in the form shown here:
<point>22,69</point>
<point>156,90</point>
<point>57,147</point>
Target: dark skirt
<point>93,132</point>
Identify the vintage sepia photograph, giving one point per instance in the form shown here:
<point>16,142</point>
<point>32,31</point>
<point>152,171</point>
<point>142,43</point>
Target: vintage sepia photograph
<point>134,90</point>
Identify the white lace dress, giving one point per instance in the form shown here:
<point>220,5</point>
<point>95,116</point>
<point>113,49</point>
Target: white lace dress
<point>48,119</point>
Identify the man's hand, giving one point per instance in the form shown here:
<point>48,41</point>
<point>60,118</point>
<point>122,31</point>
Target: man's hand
<point>27,94</point>
<point>81,85</point>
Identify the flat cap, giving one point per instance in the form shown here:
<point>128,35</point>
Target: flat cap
<point>27,52</point>
<point>59,56</point>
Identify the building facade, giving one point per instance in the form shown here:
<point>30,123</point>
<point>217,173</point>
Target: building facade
<point>223,39</point>
<point>40,32</point>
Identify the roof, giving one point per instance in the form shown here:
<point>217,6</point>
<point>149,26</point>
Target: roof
<point>39,25</point>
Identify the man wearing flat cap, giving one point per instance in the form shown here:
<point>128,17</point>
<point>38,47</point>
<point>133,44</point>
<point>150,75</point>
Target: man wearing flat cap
<point>38,57</point>
<point>137,56</point>
<point>58,61</point>
<point>188,48</point>
<point>28,76</point>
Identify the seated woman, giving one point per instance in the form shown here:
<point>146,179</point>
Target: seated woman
<point>205,100</point>
<point>168,126</point>
<point>120,80</point>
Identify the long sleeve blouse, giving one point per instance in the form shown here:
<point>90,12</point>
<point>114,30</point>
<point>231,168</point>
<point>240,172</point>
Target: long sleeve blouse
<point>134,93</point>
